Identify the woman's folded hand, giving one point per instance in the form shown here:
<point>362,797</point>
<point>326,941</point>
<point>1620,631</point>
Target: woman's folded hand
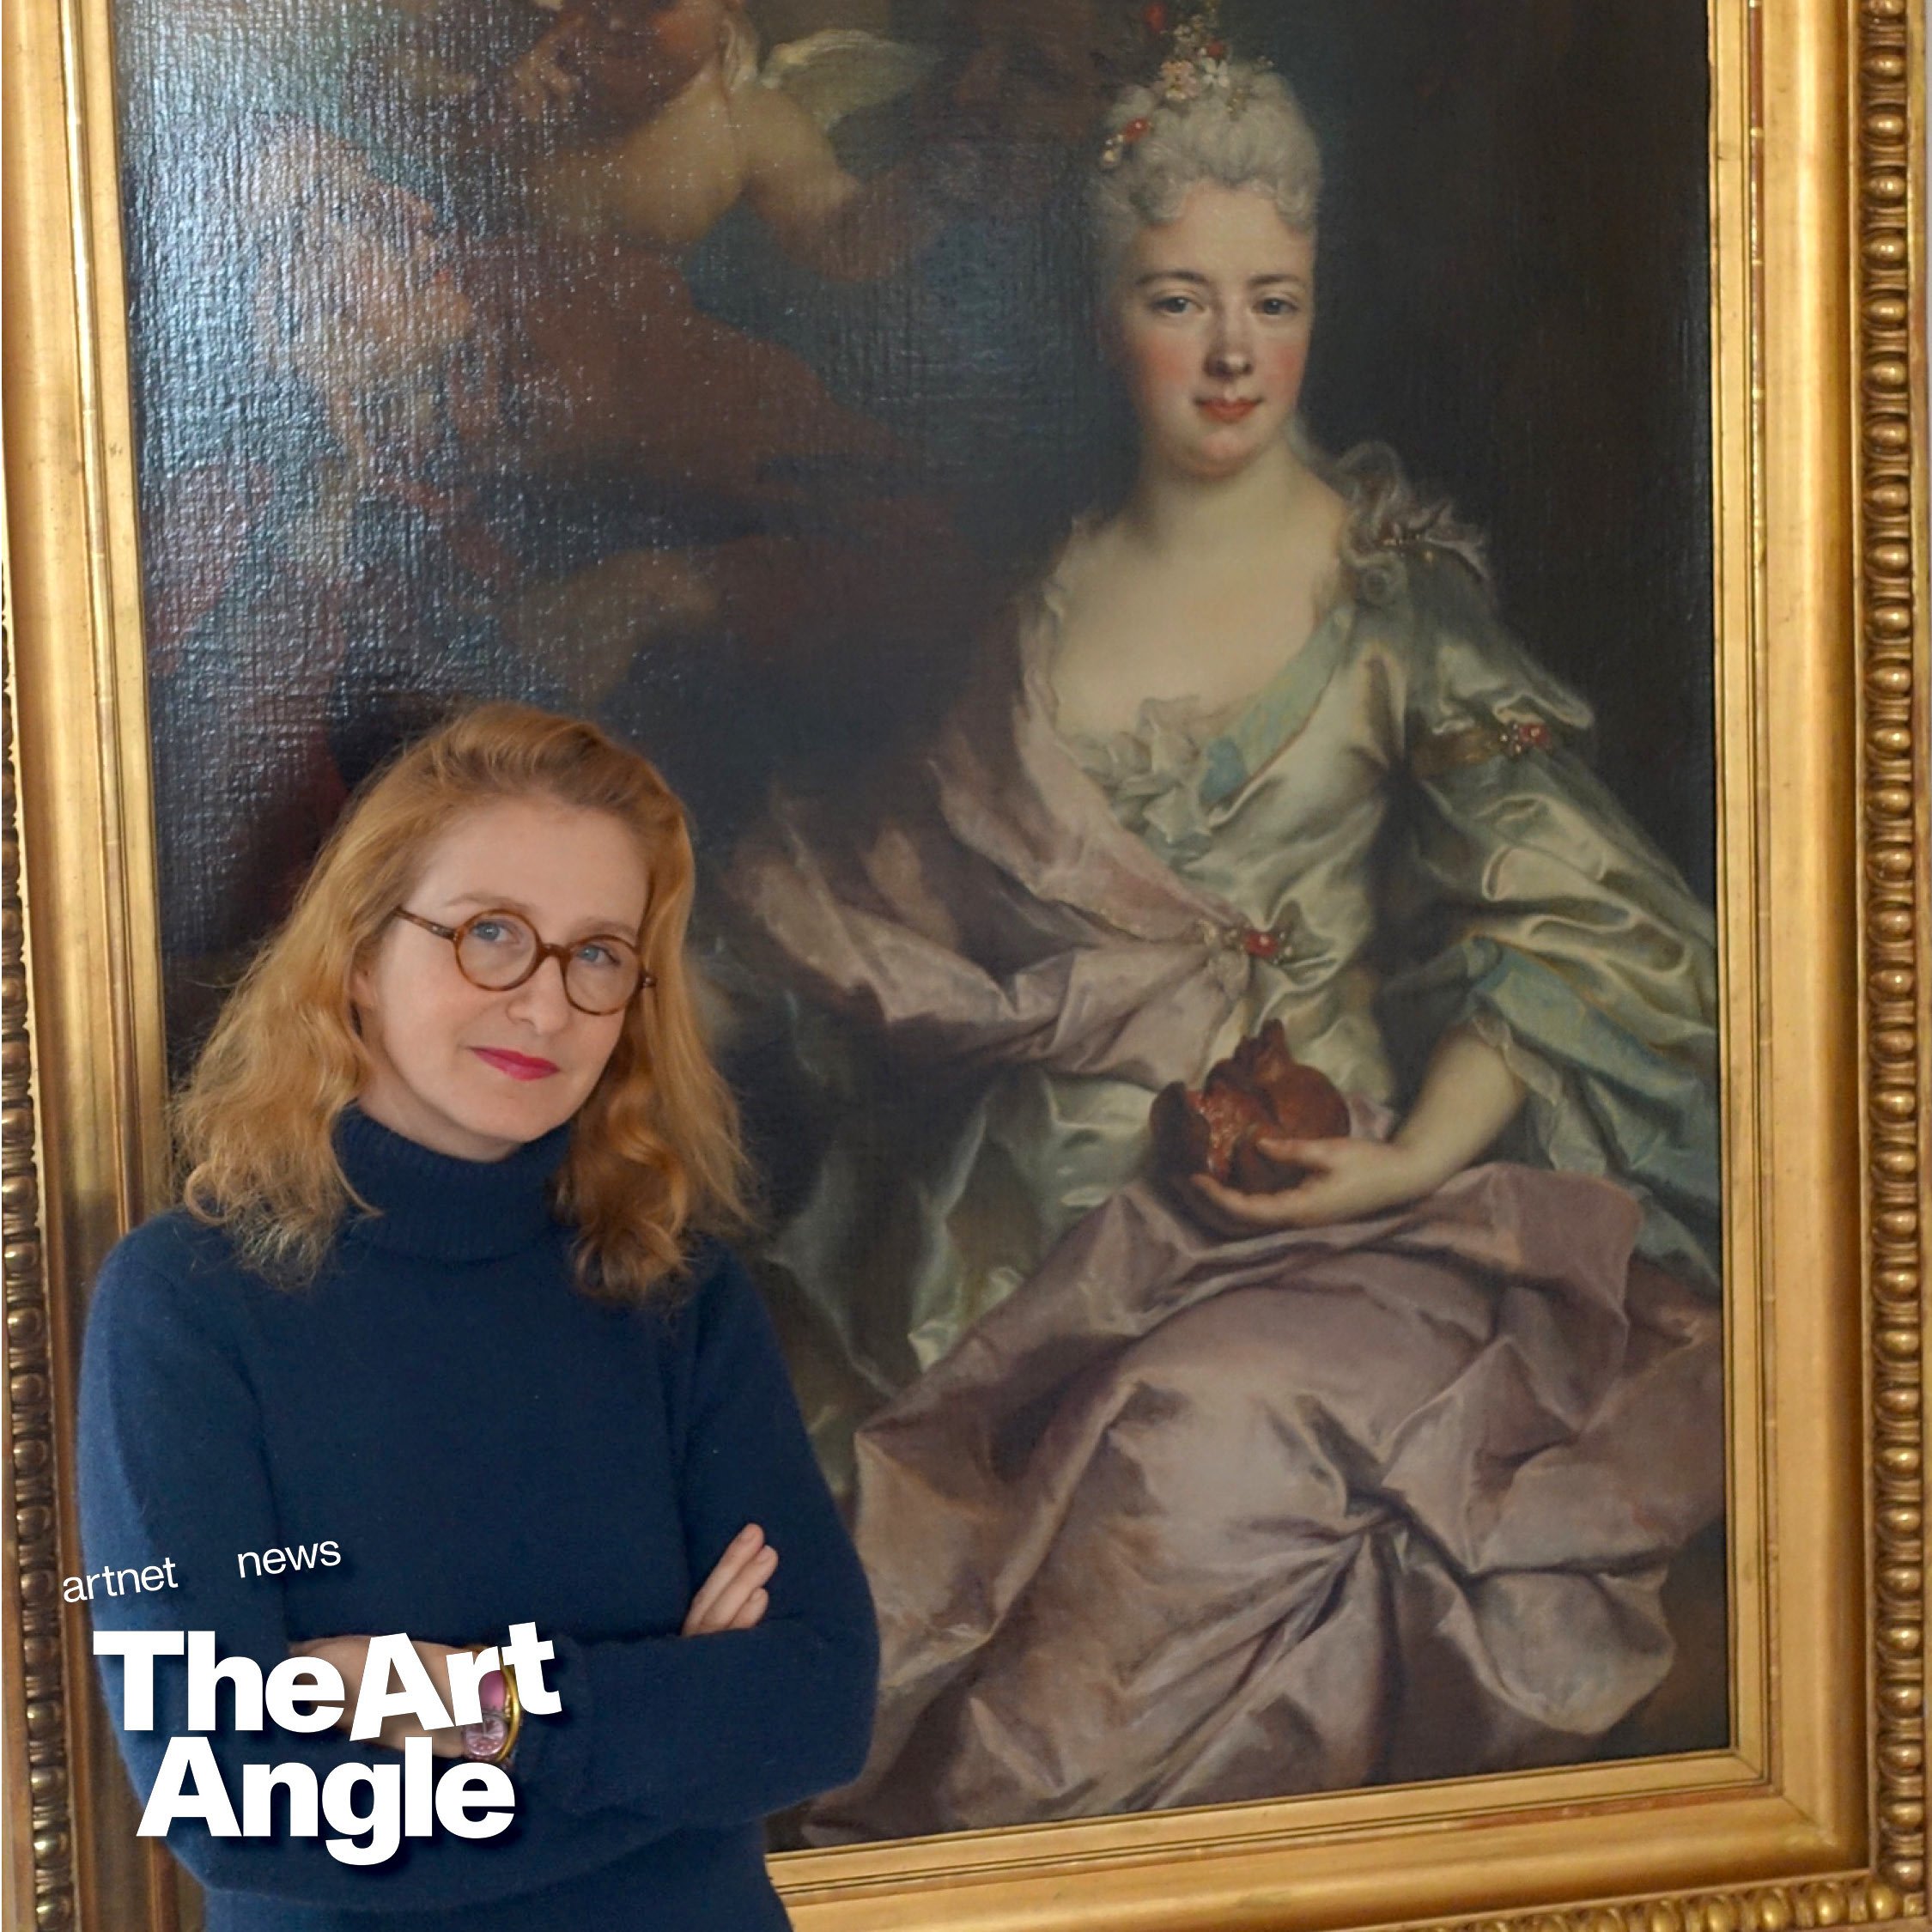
<point>734,1596</point>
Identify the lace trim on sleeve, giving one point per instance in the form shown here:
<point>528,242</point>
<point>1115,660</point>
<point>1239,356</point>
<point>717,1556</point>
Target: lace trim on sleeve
<point>1388,519</point>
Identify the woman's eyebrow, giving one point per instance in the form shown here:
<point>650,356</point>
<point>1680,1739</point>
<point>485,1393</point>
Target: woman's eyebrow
<point>1279,278</point>
<point>504,902</point>
<point>491,902</point>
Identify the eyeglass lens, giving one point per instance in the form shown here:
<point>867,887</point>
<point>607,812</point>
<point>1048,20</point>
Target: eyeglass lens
<point>599,975</point>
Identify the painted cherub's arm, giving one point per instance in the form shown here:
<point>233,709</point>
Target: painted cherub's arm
<point>824,216</point>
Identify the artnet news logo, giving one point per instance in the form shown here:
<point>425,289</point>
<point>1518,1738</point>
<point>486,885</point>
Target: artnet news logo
<point>371,1808</point>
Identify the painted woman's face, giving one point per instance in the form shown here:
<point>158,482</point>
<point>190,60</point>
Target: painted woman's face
<point>1211,324</point>
<point>474,1073</point>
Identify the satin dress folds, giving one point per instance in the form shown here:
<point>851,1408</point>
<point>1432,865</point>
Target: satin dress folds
<point>1152,1516</point>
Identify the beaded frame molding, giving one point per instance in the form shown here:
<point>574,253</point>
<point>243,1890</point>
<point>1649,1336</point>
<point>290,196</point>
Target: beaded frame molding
<point>1820,195</point>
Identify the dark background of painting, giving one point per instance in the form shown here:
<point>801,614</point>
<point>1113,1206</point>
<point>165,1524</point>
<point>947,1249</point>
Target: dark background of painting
<point>1513,292</point>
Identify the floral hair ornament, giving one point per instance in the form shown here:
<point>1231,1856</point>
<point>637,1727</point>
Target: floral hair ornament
<point>1194,67</point>
<point>1114,149</point>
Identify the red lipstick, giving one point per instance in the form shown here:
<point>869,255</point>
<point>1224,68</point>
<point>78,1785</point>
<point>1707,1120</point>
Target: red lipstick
<point>519,1067</point>
<point>1229,409</point>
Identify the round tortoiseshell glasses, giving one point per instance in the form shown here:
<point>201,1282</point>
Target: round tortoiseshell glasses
<point>498,949</point>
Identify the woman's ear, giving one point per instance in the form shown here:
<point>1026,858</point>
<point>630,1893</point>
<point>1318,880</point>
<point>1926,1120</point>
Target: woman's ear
<point>359,990</point>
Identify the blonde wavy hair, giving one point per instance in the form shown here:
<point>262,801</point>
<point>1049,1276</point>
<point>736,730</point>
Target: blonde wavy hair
<point>654,1154</point>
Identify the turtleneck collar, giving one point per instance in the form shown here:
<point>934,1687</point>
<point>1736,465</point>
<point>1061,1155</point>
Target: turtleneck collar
<point>439,1208</point>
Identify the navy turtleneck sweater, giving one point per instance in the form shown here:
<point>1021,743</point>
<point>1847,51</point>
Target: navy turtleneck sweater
<point>484,1445</point>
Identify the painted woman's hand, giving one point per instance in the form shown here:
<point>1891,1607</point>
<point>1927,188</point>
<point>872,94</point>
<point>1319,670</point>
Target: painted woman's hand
<point>350,1656</point>
<point>1346,1180</point>
<point>734,1596</point>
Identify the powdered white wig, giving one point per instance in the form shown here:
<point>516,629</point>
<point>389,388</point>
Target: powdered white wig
<point>1248,131</point>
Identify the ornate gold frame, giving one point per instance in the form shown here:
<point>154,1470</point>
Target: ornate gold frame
<point>1816,1815</point>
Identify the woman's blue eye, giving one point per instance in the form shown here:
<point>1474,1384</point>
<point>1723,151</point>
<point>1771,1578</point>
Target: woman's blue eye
<point>594,952</point>
<point>492,931</point>
<point>1173,304</point>
<point>1277,306</point>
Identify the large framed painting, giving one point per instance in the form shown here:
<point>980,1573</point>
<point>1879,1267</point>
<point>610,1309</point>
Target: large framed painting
<point>1295,633</point>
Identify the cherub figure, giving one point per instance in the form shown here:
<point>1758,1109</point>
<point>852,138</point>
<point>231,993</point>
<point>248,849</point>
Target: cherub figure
<point>668,120</point>
<point>610,146</point>
<point>672,472</point>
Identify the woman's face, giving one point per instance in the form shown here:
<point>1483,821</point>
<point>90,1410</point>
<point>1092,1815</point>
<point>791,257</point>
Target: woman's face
<point>477,1075</point>
<point>1211,323</point>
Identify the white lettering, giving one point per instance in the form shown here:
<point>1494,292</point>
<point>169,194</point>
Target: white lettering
<point>382,1820</point>
<point>525,1655</point>
<point>296,1681</point>
<point>168,1804</point>
<point>467,1670</point>
<point>484,1787</point>
<point>257,1799</point>
<point>301,1555</point>
<point>204,1674</point>
<point>369,1808</point>
<point>419,1802</point>
<point>139,1648</point>
<point>395,1657</point>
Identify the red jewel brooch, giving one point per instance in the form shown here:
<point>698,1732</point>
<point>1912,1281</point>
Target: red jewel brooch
<point>1529,734</point>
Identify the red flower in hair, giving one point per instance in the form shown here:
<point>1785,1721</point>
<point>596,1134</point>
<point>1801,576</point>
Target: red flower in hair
<point>1154,18</point>
<point>1135,128</point>
<point>1216,50</point>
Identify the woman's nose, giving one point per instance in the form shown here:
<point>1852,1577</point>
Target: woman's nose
<point>540,1001</point>
<point>1228,352</point>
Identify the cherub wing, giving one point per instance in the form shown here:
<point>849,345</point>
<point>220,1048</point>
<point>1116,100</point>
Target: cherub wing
<point>842,69</point>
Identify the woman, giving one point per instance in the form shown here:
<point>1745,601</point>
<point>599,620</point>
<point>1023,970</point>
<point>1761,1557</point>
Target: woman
<point>437,1318</point>
<point>1171,1492</point>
